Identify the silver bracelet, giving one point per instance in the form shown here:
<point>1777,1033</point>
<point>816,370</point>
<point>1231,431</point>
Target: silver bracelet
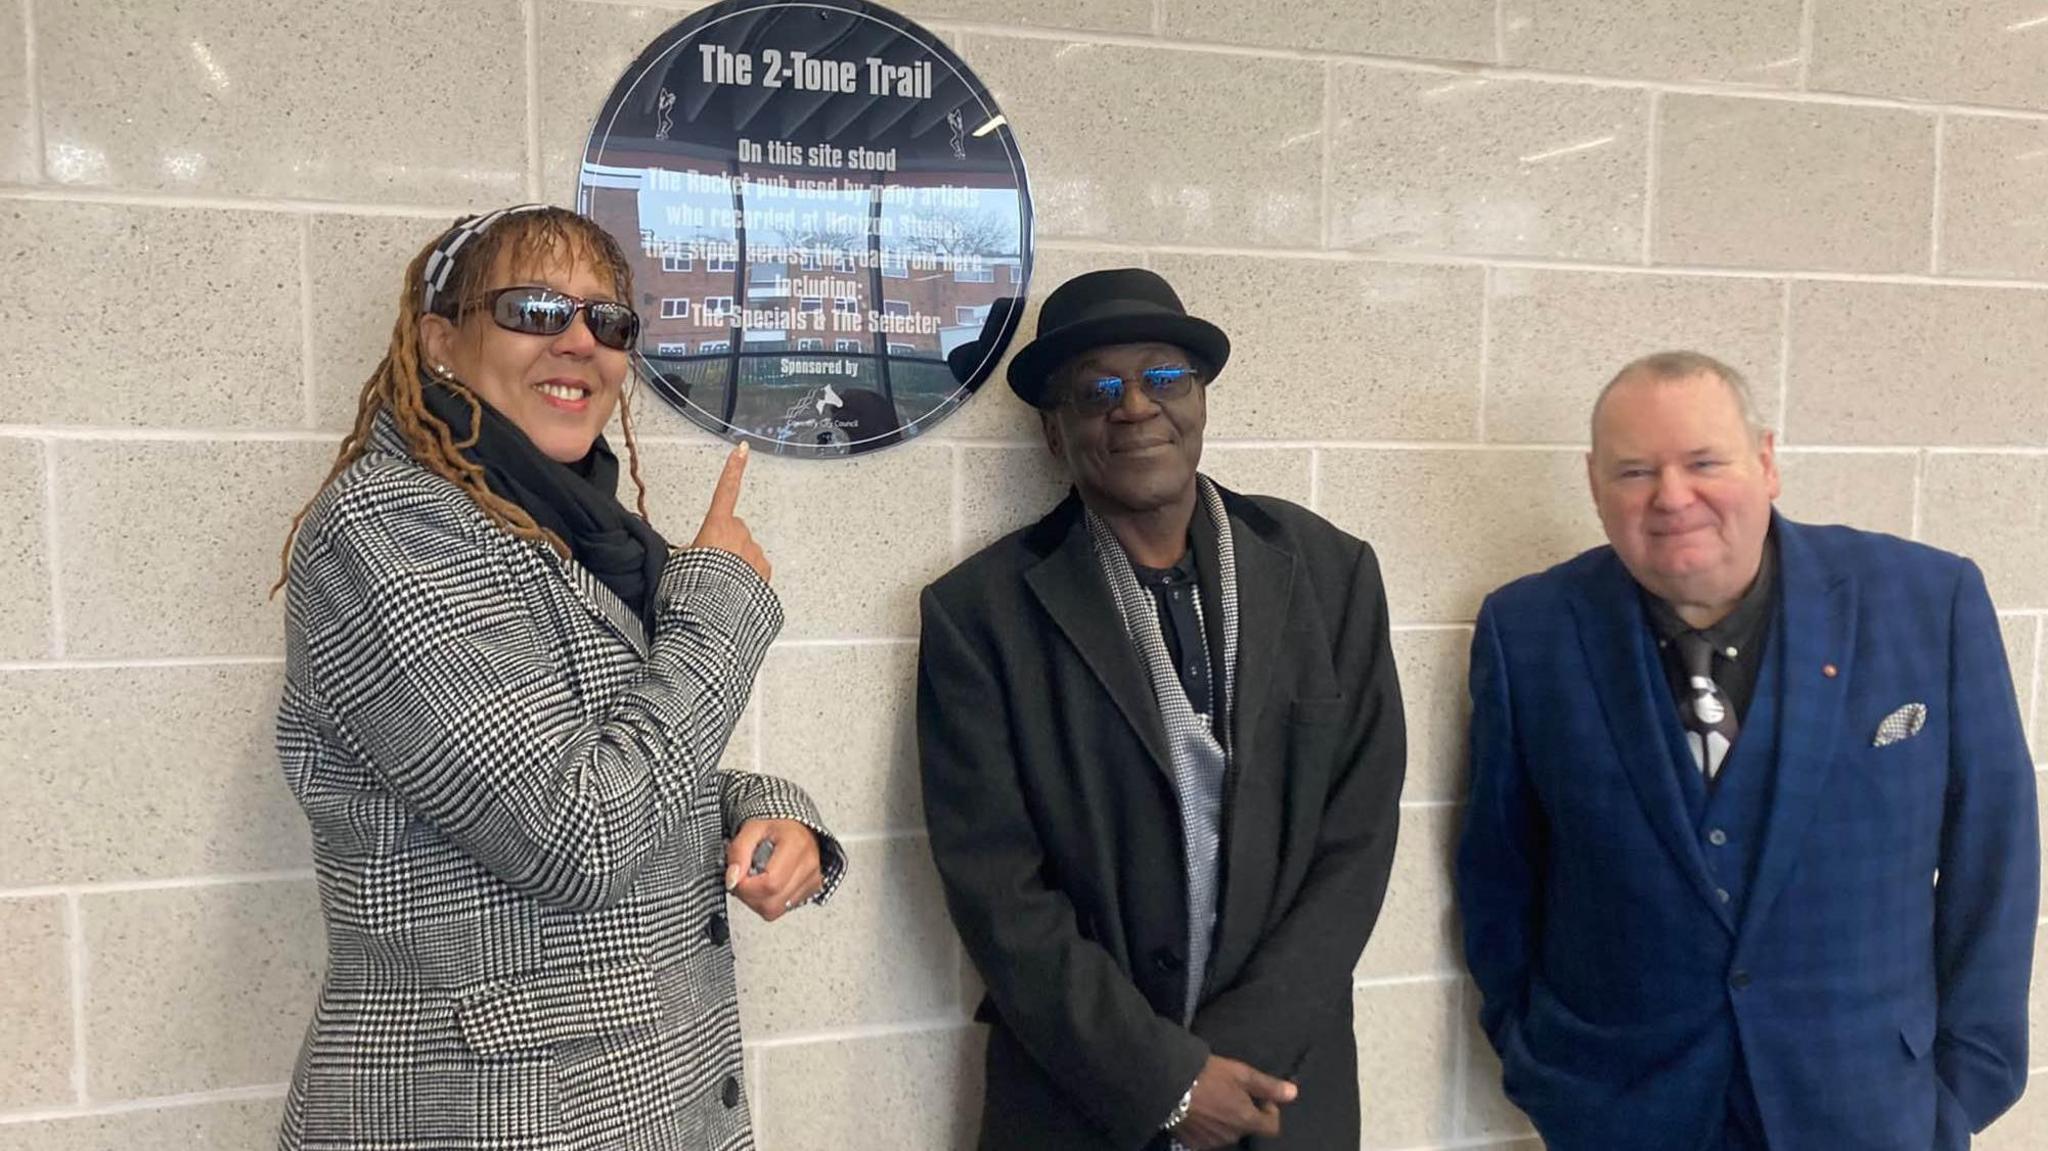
<point>1181,1109</point>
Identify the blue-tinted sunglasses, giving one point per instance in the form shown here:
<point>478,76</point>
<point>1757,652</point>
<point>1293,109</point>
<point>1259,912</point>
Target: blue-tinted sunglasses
<point>1099,393</point>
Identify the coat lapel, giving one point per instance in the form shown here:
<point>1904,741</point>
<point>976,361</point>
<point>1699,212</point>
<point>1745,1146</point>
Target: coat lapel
<point>1265,593</point>
<point>602,602</point>
<point>1615,636</point>
<point>598,599</point>
<point>1265,583</point>
<point>1070,586</point>
<point>1819,633</point>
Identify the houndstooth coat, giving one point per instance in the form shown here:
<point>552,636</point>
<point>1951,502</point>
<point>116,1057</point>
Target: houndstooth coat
<point>518,824</point>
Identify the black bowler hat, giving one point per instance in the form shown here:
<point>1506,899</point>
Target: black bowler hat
<point>1118,306</point>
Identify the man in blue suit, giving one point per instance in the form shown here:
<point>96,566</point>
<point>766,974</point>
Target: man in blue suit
<point>1750,860</point>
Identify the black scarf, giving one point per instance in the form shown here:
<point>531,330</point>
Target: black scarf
<point>578,502</point>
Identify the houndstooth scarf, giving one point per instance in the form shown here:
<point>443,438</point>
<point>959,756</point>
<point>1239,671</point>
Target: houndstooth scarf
<point>1199,745</point>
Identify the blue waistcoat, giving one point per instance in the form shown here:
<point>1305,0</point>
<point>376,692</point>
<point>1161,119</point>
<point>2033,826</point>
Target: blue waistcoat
<point>1730,821</point>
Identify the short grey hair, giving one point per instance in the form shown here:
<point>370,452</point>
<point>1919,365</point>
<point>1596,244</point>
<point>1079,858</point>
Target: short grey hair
<point>1665,367</point>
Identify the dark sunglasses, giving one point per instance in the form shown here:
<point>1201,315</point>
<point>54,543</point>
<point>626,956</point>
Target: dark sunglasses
<point>1095,394</point>
<point>537,311</point>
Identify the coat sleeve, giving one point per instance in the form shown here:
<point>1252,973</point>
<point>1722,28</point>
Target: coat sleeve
<point>438,674</point>
<point>1987,899</point>
<point>1301,972</point>
<point>1500,853</point>
<point>1062,996</point>
<point>746,796</point>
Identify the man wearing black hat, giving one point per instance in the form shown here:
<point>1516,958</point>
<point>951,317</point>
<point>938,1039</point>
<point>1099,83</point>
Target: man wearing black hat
<point>1162,750</point>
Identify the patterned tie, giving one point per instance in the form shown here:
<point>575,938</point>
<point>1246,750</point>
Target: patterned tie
<point>1709,720</point>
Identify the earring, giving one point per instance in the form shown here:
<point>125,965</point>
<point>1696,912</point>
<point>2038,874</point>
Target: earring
<point>442,371</point>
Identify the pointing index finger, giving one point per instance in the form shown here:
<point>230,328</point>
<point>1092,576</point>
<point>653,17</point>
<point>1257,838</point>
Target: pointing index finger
<point>726,496</point>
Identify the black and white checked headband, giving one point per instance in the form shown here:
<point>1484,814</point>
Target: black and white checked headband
<point>441,263</point>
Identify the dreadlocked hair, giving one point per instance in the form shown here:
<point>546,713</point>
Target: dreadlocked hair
<point>526,240</point>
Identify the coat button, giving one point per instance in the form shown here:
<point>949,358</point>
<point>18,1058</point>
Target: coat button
<point>1738,979</point>
<point>1721,893</point>
<point>729,1092</point>
<point>1165,959</point>
<point>716,929</point>
<point>1717,837</point>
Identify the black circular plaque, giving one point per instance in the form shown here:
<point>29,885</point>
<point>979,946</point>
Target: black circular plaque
<point>827,217</point>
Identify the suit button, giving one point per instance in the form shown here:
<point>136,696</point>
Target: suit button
<point>729,1092</point>
<point>1738,979</point>
<point>1165,959</point>
<point>1721,893</point>
<point>716,929</point>
<point>1717,837</point>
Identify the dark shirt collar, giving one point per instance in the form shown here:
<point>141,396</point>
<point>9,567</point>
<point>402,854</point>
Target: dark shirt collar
<point>1202,543</point>
<point>1739,627</point>
<point>1181,572</point>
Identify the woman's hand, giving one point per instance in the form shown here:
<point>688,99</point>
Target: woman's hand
<point>724,530</point>
<point>793,874</point>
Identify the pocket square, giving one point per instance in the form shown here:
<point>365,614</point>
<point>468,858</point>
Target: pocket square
<point>1902,724</point>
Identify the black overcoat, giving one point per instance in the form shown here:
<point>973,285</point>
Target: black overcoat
<point>1053,822</point>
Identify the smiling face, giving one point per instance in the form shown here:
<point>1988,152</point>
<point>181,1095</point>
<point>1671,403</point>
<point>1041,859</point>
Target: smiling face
<point>1684,489</point>
<point>1140,455</point>
<point>561,389</point>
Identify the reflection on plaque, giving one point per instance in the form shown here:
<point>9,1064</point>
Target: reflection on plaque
<point>828,220</point>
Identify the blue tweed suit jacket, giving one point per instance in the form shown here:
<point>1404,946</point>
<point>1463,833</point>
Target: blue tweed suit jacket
<point>1875,975</point>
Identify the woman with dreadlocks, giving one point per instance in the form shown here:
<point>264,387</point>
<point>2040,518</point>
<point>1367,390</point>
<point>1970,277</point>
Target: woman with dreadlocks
<point>505,700</point>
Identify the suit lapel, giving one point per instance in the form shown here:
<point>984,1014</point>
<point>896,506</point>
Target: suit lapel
<point>1819,632</point>
<point>1615,637</point>
<point>1070,586</point>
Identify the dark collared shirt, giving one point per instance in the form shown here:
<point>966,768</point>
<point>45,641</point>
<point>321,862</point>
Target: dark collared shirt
<point>1738,639</point>
<point>1175,590</point>
<point>1195,642</point>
